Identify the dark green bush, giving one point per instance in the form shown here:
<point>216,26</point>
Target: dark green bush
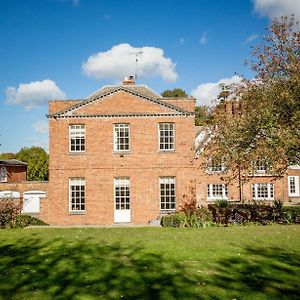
<point>222,203</point>
<point>25,220</point>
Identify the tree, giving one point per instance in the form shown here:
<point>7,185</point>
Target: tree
<point>37,160</point>
<point>267,124</point>
<point>7,155</point>
<point>203,115</point>
<point>176,93</point>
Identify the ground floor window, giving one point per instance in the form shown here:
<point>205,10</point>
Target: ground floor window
<point>167,193</point>
<point>217,191</point>
<point>293,183</point>
<point>263,191</point>
<point>122,193</point>
<point>3,174</point>
<point>77,194</point>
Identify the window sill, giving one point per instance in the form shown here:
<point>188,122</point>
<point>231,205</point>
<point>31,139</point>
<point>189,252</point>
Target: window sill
<point>77,153</point>
<point>166,151</point>
<point>121,153</point>
<point>167,211</point>
<point>76,212</point>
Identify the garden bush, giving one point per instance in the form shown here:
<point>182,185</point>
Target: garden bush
<point>22,221</point>
<point>9,210</point>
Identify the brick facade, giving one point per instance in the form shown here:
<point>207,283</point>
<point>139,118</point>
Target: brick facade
<point>99,164</point>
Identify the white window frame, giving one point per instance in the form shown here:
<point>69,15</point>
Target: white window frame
<point>122,185</point>
<point>77,132</point>
<point>118,129</point>
<point>215,166</point>
<point>211,191</point>
<point>166,145</point>
<point>3,174</point>
<point>256,191</point>
<point>261,167</point>
<point>167,197</point>
<point>293,186</point>
<point>80,200</point>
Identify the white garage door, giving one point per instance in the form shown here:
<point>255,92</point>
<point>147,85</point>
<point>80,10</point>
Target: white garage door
<point>31,202</point>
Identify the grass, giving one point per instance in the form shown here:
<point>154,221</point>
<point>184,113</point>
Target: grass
<point>255,262</point>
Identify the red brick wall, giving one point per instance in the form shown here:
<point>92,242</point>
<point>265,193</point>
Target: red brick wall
<point>16,173</point>
<point>99,164</point>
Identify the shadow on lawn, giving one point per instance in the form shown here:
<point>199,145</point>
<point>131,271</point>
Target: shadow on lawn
<point>85,270</point>
<point>57,269</point>
<point>264,273</point>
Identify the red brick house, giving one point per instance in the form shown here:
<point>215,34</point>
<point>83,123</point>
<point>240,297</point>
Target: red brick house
<point>125,154</point>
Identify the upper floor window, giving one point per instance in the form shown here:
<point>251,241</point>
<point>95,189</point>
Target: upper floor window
<point>121,137</point>
<point>217,191</point>
<point>77,138</point>
<point>215,166</point>
<point>263,191</point>
<point>261,166</point>
<point>167,193</point>
<point>293,183</point>
<point>166,138</point>
<point>3,174</point>
<point>76,194</point>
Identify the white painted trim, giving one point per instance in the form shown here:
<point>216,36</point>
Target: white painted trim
<point>297,192</point>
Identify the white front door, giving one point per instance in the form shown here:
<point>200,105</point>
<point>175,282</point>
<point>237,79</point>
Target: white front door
<point>31,201</point>
<point>122,200</point>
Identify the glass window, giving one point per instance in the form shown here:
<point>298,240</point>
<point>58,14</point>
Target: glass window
<point>3,174</point>
<point>167,193</point>
<point>293,183</point>
<point>77,194</point>
<point>263,191</point>
<point>122,193</point>
<point>121,137</point>
<point>217,191</point>
<point>215,166</point>
<point>77,138</point>
<point>166,136</point>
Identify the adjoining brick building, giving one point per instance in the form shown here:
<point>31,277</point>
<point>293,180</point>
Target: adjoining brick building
<point>13,185</point>
<point>125,154</point>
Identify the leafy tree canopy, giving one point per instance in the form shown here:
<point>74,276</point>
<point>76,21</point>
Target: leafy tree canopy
<point>176,93</point>
<point>203,115</point>
<point>7,155</point>
<point>268,125</point>
<point>37,160</point>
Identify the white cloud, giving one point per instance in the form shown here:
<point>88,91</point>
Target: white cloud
<point>40,127</point>
<point>206,93</point>
<point>34,94</point>
<point>119,62</point>
<point>203,38</point>
<point>277,8</point>
<point>252,37</point>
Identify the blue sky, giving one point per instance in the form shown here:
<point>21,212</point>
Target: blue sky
<point>70,48</point>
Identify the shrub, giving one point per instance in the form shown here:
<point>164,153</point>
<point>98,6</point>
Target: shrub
<point>222,203</point>
<point>177,219</point>
<point>25,220</point>
<point>9,210</point>
<point>278,204</point>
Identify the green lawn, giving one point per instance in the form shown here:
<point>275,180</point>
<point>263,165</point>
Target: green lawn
<point>256,262</point>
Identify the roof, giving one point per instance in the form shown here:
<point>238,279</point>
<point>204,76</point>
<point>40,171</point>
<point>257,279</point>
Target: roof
<point>140,91</point>
<point>12,162</point>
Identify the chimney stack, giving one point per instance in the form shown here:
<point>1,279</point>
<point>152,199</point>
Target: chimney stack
<point>129,80</point>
